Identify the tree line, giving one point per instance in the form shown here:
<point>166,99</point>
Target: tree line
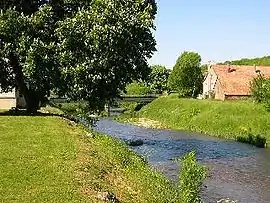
<point>261,61</point>
<point>186,78</point>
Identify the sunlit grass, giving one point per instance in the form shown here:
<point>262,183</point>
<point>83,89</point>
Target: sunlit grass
<point>227,119</point>
<point>49,159</point>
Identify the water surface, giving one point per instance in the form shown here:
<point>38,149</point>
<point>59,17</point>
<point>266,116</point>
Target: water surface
<point>236,171</point>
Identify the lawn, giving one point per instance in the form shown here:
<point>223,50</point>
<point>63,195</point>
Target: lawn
<point>49,159</point>
<point>227,119</point>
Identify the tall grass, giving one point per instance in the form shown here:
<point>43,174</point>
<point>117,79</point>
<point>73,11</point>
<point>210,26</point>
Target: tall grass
<point>229,119</point>
<point>191,178</point>
<point>49,159</point>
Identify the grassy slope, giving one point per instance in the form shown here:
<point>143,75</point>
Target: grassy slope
<point>48,159</point>
<point>222,119</point>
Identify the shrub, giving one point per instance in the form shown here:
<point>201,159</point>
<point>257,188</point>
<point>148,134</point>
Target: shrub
<point>158,79</point>
<point>260,90</point>
<point>191,178</point>
<point>256,140</point>
<point>137,88</point>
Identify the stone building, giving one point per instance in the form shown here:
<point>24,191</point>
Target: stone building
<point>225,82</point>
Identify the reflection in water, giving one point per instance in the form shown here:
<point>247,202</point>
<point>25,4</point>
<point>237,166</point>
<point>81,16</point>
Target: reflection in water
<point>237,171</point>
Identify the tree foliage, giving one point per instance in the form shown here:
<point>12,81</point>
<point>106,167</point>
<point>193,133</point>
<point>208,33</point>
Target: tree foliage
<point>158,79</point>
<point>260,90</point>
<point>137,88</point>
<point>262,61</point>
<point>84,49</point>
<point>186,77</point>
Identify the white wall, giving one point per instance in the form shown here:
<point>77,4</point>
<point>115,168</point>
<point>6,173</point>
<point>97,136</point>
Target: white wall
<point>7,100</point>
<point>209,83</point>
<point>7,95</point>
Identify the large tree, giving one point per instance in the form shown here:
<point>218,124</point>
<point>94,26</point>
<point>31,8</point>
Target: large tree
<point>84,49</point>
<point>186,77</point>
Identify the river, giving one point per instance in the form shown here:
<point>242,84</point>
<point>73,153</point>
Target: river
<point>237,171</point>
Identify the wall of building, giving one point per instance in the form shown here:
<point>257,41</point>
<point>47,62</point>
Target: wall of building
<point>210,82</point>
<point>219,93</point>
<point>236,97</point>
<point>7,100</point>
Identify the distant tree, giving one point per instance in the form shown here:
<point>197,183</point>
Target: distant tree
<point>88,50</point>
<point>137,88</point>
<point>186,77</point>
<point>158,79</point>
<point>262,61</point>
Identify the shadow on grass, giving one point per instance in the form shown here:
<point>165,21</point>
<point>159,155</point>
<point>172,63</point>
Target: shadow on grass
<point>90,122</point>
<point>15,112</point>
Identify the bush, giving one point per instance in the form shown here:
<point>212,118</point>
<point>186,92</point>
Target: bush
<point>158,79</point>
<point>191,178</point>
<point>137,88</point>
<point>256,140</point>
<point>260,90</point>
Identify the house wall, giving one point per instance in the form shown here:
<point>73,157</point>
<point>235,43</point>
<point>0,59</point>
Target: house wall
<point>7,100</point>
<point>219,93</point>
<point>236,97</point>
<point>210,82</point>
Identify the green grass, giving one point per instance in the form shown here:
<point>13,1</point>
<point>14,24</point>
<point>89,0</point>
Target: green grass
<point>227,119</point>
<point>49,159</point>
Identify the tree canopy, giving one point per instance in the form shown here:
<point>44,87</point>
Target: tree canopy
<point>158,79</point>
<point>186,77</point>
<point>88,50</point>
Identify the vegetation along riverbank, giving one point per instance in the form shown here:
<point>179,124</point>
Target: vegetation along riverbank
<point>51,159</point>
<point>244,121</point>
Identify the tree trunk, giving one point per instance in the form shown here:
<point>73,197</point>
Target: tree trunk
<point>32,102</point>
<point>31,97</point>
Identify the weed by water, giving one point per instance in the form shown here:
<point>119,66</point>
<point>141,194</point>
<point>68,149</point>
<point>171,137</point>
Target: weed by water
<point>191,178</point>
<point>256,140</point>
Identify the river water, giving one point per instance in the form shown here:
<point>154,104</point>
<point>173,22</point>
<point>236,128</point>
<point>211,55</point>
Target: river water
<point>237,171</point>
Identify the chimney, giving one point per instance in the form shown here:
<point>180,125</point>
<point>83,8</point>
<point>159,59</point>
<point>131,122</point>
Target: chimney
<point>256,69</point>
<point>209,66</point>
<point>229,68</point>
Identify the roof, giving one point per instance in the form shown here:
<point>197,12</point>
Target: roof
<point>237,81</point>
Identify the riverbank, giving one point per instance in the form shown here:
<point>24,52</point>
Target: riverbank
<point>229,119</point>
<point>51,159</point>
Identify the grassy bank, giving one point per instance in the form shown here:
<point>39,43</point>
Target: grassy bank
<point>49,159</point>
<point>228,119</point>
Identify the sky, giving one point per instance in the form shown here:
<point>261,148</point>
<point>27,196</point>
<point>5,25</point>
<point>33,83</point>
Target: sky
<point>219,30</point>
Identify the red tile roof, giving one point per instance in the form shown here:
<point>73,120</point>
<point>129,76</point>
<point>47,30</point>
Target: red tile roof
<point>237,81</point>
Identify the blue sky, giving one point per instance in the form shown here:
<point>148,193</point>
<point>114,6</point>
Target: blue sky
<point>218,30</point>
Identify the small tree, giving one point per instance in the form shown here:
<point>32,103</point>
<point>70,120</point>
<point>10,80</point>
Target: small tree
<point>158,79</point>
<point>260,90</point>
<point>186,77</point>
<point>137,88</point>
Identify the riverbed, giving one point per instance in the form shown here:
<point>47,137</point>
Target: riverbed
<point>237,171</point>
